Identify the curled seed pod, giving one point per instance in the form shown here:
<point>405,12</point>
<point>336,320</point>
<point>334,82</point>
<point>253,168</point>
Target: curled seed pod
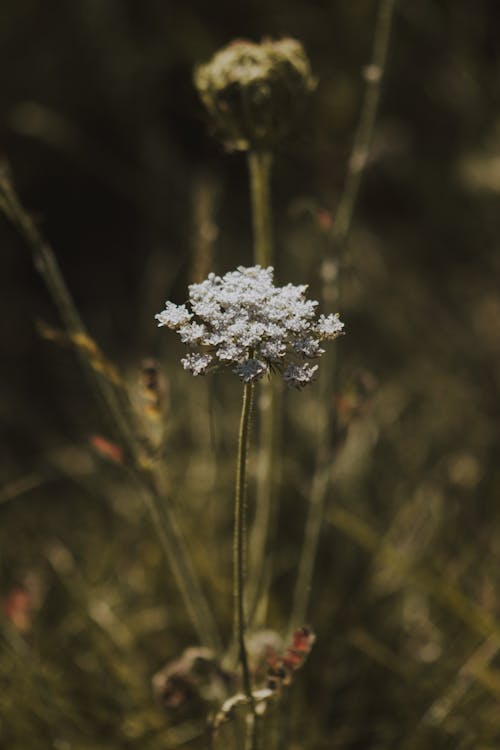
<point>253,92</point>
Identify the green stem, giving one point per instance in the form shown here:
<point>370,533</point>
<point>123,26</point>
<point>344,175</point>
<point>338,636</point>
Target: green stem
<point>259,165</point>
<point>331,295</point>
<point>119,410</point>
<point>239,540</point>
<point>364,133</point>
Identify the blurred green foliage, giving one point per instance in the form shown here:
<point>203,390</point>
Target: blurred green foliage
<point>110,150</point>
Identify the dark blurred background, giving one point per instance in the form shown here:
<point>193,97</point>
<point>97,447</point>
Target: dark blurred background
<point>111,152</point>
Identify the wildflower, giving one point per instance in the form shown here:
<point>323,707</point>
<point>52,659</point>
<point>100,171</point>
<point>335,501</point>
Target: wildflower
<point>244,321</point>
<point>253,92</point>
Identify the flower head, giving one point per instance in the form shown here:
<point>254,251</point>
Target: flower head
<point>242,320</point>
<point>253,92</point>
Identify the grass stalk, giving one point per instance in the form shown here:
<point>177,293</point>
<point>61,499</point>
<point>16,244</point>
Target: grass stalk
<point>374,74</point>
<point>115,400</point>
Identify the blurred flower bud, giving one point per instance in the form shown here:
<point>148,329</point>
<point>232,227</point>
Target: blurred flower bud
<point>253,92</point>
<point>196,675</point>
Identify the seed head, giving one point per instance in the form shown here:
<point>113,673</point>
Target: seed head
<point>253,92</point>
<point>243,321</point>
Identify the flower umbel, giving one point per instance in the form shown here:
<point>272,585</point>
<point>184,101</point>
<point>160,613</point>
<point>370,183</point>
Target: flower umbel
<point>242,320</point>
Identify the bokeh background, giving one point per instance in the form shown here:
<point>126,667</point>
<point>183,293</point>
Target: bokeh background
<point>110,151</point>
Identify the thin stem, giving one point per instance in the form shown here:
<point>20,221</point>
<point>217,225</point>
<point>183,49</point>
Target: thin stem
<point>259,165</point>
<point>374,74</point>
<point>239,539</point>
<point>118,407</point>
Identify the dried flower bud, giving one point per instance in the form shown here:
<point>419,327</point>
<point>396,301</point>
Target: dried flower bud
<point>254,91</point>
<point>195,675</point>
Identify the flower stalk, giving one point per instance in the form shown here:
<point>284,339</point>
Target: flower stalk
<point>239,538</point>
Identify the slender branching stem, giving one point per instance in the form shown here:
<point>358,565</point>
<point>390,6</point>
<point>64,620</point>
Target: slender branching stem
<point>259,165</point>
<point>118,407</point>
<point>374,74</point>
<point>239,539</point>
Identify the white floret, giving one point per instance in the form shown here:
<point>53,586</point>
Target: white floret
<point>299,375</point>
<point>329,326</point>
<point>273,350</point>
<point>173,316</point>
<point>192,333</point>
<point>196,363</point>
<point>308,347</point>
<point>250,370</point>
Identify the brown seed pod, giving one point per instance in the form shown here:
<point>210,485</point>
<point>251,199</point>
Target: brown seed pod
<point>253,92</point>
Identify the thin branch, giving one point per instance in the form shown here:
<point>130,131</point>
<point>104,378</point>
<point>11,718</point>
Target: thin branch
<point>374,74</point>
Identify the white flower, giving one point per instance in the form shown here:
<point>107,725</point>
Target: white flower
<point>242,319</point>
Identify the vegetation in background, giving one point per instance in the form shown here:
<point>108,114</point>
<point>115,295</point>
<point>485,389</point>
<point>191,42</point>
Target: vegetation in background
<point>111,155</point>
